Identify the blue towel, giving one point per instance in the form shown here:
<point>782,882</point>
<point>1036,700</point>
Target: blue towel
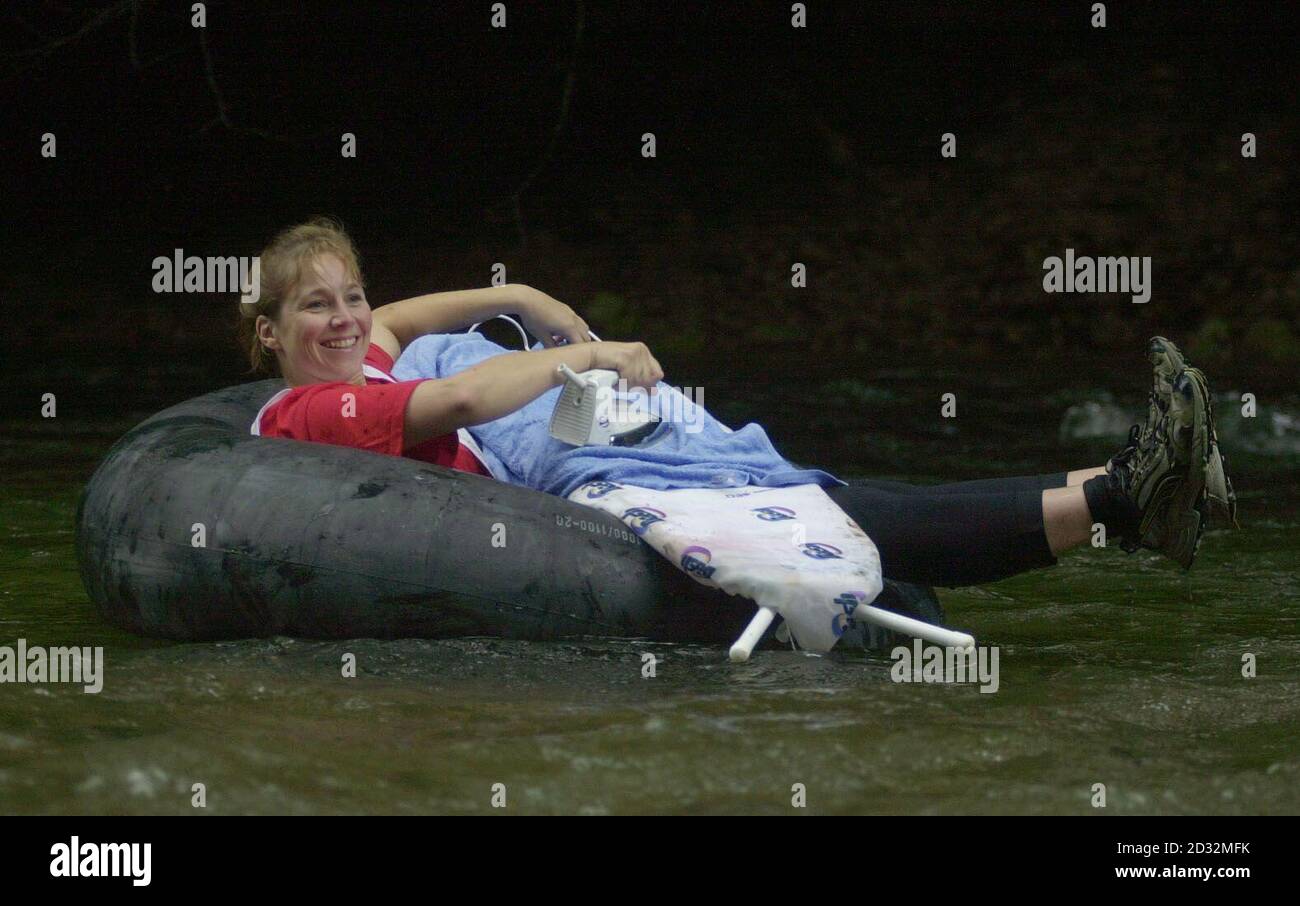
<point>694,450</point>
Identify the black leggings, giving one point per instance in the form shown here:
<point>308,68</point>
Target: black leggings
<point>965,533</point>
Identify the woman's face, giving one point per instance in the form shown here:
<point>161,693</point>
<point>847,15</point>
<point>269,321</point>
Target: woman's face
<point>323,328</point>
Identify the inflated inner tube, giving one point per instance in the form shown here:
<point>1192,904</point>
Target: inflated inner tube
<point>194,529</point>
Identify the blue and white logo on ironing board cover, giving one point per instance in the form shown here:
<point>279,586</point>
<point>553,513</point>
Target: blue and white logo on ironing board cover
<point>695,561</point>
<point>848,601</point>
<point>594,490</point>
<point>642,517</point>
<point>820,551</point>
<point>773,513</point>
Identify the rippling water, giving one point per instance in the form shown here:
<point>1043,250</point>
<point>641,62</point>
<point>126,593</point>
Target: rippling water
<point>1114,669</point>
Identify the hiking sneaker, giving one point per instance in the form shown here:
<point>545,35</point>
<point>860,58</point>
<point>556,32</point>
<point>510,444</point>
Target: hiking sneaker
<point>1161,472</point>
<point>1166,364</point>
<point>1146,473</point>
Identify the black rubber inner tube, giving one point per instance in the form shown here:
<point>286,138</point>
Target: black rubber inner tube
<point>192,528</point>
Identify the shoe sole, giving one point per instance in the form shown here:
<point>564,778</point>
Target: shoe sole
<point>1184,514</point>
<point>1221,501</point>
<point>1190,528</point>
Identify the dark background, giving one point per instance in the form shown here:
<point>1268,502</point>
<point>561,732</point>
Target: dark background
<point>775,145</point>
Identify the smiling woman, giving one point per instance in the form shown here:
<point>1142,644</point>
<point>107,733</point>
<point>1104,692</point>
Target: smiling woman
<point>312,308</point>
<point>312,321</point>
<point>291,270</point>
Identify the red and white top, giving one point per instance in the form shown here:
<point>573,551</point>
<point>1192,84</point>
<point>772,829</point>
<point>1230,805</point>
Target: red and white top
<point>373,418</point>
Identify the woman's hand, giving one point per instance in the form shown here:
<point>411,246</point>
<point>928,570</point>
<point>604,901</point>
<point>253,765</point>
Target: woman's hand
<point>632,361</point>
<point>549,319</point>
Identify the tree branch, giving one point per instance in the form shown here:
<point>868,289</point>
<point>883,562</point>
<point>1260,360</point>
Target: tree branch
<point>130,35</point>
<point>103,17</point>
<point>223,110</point>
<point>556,132</point>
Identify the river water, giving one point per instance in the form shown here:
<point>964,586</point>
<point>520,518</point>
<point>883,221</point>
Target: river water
<point>1114,669</point>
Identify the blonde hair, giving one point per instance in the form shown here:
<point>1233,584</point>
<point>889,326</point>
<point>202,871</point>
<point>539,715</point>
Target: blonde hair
<point>281,268</point>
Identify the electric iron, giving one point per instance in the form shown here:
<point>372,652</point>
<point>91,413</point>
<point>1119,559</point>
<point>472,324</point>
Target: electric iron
<point>589,410</point>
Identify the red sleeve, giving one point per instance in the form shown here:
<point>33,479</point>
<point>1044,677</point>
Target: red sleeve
<point>372,417</point>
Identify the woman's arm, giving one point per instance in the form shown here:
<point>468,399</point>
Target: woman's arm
<point>510,381</point>
<point>451,311</point>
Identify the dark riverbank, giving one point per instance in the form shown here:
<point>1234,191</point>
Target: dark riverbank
<point>774,147</point>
